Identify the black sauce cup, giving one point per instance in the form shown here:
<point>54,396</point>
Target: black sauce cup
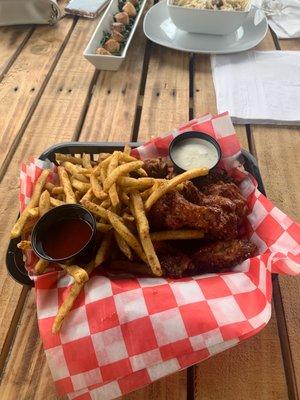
<point>192,135</point>
<point>50,219</point>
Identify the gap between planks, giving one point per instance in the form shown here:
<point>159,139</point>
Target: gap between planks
<point>16,53</point>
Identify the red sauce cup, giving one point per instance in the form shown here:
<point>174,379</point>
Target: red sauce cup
<point>65,235</point>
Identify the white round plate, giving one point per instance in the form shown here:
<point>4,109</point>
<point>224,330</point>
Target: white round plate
<point>159,28</point>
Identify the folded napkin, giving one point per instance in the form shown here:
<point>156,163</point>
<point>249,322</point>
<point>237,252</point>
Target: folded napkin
<point>258,87</point>
<point>283,16</point>
<point>123,334</point>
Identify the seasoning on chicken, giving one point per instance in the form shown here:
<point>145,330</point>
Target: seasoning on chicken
<point>217,256</point>
<point>230,191</point>
<point>173,211</point>
<point>156,168</point>
<point>173,261</point>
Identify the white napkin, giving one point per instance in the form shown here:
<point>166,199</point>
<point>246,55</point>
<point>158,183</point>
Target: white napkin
<point>286,23</point>
<point>258,87</point>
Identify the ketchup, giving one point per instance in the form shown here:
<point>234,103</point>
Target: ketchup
<point>66,237</point>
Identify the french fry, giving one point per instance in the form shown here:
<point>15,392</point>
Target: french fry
<point>86,161</point>
<point>103,156</point>
<point>141,172</point>
<point>127,149</point>
<point>125,233</point>
<point>66,306</point>
<point>127,217</point>
<point>102,253</point>
<point>24,245</point>
<point>49,186</point>
<point>76,287</point>
<point>66,184</point>
<point>104,228</point>
<point>172,183</point>
<point>80,186</point>
<point>78,195</point>
<point>17,228</point>
<point>140,183</point>
<point>95,209</point>
<point>120,171</point>
<point>123,246</point>
<point>44,203</point>
<point>29,224</point>
<point>113,195</point>
<point>61,197</point>
<point>68,158</point>
<point>75,169</point>
<point>57,190</point>
<point>176,235</point>
<point>103,175</point>
<point>81,178</point>
<point>34,212</point>
<point>88,196</point>
<point>55,202</point>
<point>40,266</point>
<point>124,198</point>
<point>146,193</point>
<point>96,188</point>
<point>79,274</point>
<point>106,203</point>
<point>143,229</point>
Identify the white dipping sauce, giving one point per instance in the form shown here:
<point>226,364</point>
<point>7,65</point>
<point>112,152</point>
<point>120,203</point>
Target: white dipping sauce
<point>195,153</point>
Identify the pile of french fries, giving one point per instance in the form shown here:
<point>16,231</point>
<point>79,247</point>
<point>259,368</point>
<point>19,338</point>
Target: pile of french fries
<point>118,192</point>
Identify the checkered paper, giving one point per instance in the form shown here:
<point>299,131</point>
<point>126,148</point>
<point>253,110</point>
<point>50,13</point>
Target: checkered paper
<point>123,334</point>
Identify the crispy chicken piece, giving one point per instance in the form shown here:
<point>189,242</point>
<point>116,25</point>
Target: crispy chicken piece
<point>192,194</point>
<point>173,211</point>
<point>173,261</point>
<point>222,255</point>
<point>156,168</point>
<point>230,191</point>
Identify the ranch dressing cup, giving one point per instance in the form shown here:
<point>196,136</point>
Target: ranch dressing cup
<point>194,150</point>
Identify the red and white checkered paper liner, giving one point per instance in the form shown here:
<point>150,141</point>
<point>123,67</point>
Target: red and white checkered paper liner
<point>123,334</point>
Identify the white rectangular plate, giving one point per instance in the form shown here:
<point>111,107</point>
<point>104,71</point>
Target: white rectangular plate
<point>109,62</point>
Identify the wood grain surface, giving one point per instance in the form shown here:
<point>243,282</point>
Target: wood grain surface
<point>12,41</point>
<point>25,81</point>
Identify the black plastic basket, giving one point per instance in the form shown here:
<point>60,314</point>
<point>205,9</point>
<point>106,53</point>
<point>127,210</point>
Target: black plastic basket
<point>14,256</point>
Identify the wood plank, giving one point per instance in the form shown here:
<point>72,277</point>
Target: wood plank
<point>25,81</point>
<point>173,387</point>
<point>12,41</point>
<point>166,98</point>
<point>112,109</point>
<point>224,375</point>
<point>56,119</point>
<point>27,375</point>
<point>280,166</point>
<point>248,371</point>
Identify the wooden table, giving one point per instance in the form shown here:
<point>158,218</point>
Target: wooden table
<point>48,94</point>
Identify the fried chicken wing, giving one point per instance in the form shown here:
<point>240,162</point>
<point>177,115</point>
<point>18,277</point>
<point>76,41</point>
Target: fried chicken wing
<point>173,261</point>
<point>221,255</point>
<point>173,211</point>
<point>229,191</point>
